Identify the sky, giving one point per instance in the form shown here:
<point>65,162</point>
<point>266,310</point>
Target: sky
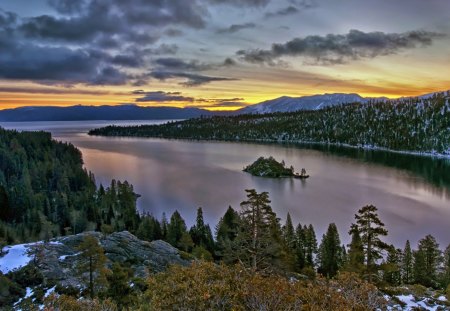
<point>218,54</point>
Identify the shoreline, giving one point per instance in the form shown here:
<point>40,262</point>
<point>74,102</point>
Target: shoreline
<point>363,147</point>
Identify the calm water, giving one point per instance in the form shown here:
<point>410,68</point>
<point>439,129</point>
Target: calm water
<point>411,193</point>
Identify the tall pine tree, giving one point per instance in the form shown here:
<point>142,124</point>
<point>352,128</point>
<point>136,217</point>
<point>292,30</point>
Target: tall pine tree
<point>330,252</point>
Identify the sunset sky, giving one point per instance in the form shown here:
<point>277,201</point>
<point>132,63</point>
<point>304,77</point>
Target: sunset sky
<point>218,54</point>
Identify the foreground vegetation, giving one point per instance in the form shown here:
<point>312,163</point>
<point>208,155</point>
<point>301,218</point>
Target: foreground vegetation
<point>419,125</point>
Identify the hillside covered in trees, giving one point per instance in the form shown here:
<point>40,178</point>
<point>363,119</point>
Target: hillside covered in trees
<point>46,192</point>
<point>413,124</point>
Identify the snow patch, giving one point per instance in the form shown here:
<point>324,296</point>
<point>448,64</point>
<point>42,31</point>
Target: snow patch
<point>16,257</point>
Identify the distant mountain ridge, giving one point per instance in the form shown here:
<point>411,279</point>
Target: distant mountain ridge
<point>135,112</point>
<point>313,102</point>
<point>84,113</point>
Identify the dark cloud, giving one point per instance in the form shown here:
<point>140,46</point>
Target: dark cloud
<point>191,79</point>
<point>242,3</point>
<point>173,32</point>
<point>58,90</point>
<point>160,96</point>
<point>7,18</point>
<point>57,65</point>
<point>177,64</point>
<point>236,27</point>
<point>283,12</point>
<point>135,21</point>
<point>68,7</point>
<point>304,4</point>
<point>335,49</point>
<point>228,62</point>
<point>163,49</point>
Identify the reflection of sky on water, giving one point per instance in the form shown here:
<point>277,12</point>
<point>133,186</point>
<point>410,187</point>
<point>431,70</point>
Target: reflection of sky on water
<point>172,174</point>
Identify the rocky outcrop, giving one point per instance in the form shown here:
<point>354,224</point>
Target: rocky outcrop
<point>58,259</point>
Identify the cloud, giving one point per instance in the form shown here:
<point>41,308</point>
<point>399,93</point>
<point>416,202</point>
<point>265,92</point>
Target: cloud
<point>191,78</point>
<point>45,90</point>
<point>236,27</point>
<point>176,64</point>
<point>282,12</point>
<point>173,32</point>
<point>7,18</point>
<point>338,49</point>
<point>304,4</point>
<point>242,3</point>
<point>228,62</point>
<point>135,21</point>
<point>161,96</point>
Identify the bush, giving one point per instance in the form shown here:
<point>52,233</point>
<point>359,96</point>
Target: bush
<point>207,286</point>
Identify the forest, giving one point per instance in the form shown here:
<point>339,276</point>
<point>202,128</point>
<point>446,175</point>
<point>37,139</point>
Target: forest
<point>412,124</point>
<point>46,192</point>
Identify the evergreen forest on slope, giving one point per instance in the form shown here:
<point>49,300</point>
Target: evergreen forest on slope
<point>410,124</point>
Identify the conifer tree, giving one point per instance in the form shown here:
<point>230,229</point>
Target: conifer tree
<point>93,262</point>
<point>119,288</point>
<point>176,231</point>
<point>371,229</point>
<point>300,255</point>
<point>310,245</point>
<point>289,233</point>
<point>201,234</point>
<point>355,256</point>
<point>407,264</point>
<point>226,231</point>
<point>256,246</point>
<point>330,252</point>
<point>391,267</point>
<point>426,261</point>
<point>446,268</point>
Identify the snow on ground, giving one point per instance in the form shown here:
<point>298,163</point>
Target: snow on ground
<point>411,303</point>
<point>16,256</point>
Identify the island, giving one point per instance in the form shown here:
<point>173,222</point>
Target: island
<point>269,167</point>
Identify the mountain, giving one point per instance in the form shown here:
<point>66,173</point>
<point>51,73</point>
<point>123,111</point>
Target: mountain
<point>314,102</point>
<point>121,112</point>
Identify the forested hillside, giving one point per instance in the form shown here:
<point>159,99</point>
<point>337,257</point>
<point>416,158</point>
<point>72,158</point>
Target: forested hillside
<point>46,192</point>
<point>414,124</point>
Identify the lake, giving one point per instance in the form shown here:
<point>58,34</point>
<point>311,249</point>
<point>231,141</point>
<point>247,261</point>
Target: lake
<point>412,193</point>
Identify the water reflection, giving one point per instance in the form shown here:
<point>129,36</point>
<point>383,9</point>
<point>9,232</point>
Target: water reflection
<point>412,193</point>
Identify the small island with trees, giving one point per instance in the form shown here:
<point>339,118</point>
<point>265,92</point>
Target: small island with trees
<point>269,167</point>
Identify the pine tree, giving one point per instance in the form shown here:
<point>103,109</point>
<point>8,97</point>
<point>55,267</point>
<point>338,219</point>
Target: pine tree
<point>289,233</point>
<point>119,288</point>
<point>310,245</point>
<point>176,229</point>
<point>300,255</point>
<point>407,264</point>
<point>201,234</point>
<point>330,252</point>
<point>93,261</point>
<point>391,267</point>
<point>446,268</point>
<point>426,261</point>
<point>370,229</point>
<point>255,244</point>
<point>289,243</point>
<point>226,231</point>
<point>355,256</point>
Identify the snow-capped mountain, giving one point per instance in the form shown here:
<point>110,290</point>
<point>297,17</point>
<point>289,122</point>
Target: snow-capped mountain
<point>314,102</point>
